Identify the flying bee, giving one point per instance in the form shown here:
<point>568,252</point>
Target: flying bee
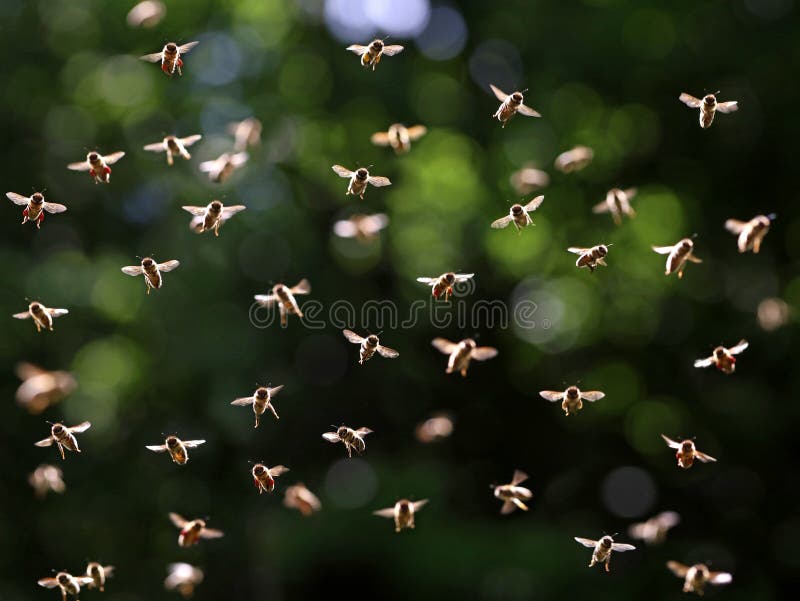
<point>98,573</point>
<point>399,137</point>
<point>285,297</point>
<point>678,255</point>
<point>176,448</point>
<point>193,530</point>
<point>174,146</point>
<point>69,584</point>
<point>261,401</point>
<point>697,576</point>
<point>443,285</point>
<point>152,271</point>
<point>64,437</point>
<point>264,477</point>
<point>723,358</point>
<point>183,577</point>
<point>46,478</point>
<point>221,168</point>
<point>353,440</point>
<point>402,513</point>
<point>572,398</point>
<point>212,216</point>
<point>97,165</point>
<point>574,159</point>
<point>654,530</point>
<point>529,179</point>
<point>359,180</point>
<point>750,233</point>
<point>299,497</point>
<point>590,257</point>
<point>518,215</point>
<point>513,495</point>
<point>617,203</point>
<point>363,228</point>
<point>708,107</point>
<point>41,388</point>
<point>462,353</point>
<point>687,452</point>
<point>510,105</point>
<point>437,427</point>
<point>245,133</point>
<point>603,548</point>
<point>170,57</point>
<point>42,316</point>
<point>369,345</point>
<point>371,55</point>
<point>35,207</point>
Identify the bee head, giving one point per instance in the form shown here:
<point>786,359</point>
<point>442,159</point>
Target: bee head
<point>572,392</point>
<point>602,250</point>
<point>35,307</point>
<point>516,209</point>
<point>259,469</point>
<point>171,47</point>
<point>37,198</point>
<point>147,262</point>
<point>216,205</point>
<point>279,289</point>
<point>92,157</point>
<point>719,352</point>
<point>469,343</point>
<point>362,173</point>
<point>516,97</point>
<point>199,524</point>
<point>171,141</point>
<point>372,339</point>
<point>57,429</point>
<point>686,245</point>
<point>377,45</point>
<point>341,431</point>
<point>450,278</point>
<point>687,446</point>
<point>63,578</point>
<point>606,541</point>
<point>404,506</point>
<point>710,99</point>
<point>172,441</point>
<point>262,392</point>
<point>762,221</point>
<point>93,567</point>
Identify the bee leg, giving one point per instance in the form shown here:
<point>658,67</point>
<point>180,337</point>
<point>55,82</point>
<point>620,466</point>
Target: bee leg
<point>349,451</point>
<point>756,245</point>
<point>257,418</point>
<point>272,409</point>
<point>39,220</point>
<point>61,450</point>
<point>608,562</point>
<point>216,228</point>
<point>464,372</point>
<point>169,158</point>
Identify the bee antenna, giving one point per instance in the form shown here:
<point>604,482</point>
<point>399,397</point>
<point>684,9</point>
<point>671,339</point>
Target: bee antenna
<point>615,534</point>
<point>772,216</point>
<point>694,235</point>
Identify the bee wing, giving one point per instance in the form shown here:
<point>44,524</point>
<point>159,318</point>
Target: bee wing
<point>48,582</point>
<point>518,477</point>
<point>113,157</point>
<point>194,210</point>
<point>630,192</point>
<point>534,203</point>
<point>419,504</point>
<point>211,533</point>
<point>708,361</point>
<point>193,443</point>
<point>57,312</point>
<point>54,208</point>
<point>429,281</point>
<point>45,442</point>
<point>415,132</point>
<point>265,299</point>
<point>375,223</point>
<point>551,395</point>
<point>342,171</point>
<point>228,212</point>
<point>189,140</point>
<point>151,58</point>
<point>24,315</point>
<point>392,50</point>
<point>82,580</point>
<point>17,199</point>
<point>239,159</point>
<point>720,577</point>
<point>345,229</point>
<point>507,508</point>
<point>385,513</point>
<point>352,336</point>
<point>187,47</point>
<point>741,346</point>
<point>689,100</point>
<point>592,395</point>
<point>443,345</point>
<point>586,542</point>
<point>601,207</point>
<point>82,166</point>
<point>331,436</point>
<point>363,431</point>
<point>577,250</point>
<point>668,519</point>
<point>276,390</point>
<point>157,448</point>
<point>524,109</point>
<point>663,250</point>
<point>357,48</point>
<point>302,287</point>
<point>278,470</point>
<point>243,401</point>
<point>82,427</point>
<point>728,107</point>
<point>622,547</point>
<point>379,181</point>
<point>693,259</point>
<point>177,519</point>
<point>380,138</point>
<point>502,222</point>
<point>387,352</point>
<point>25,370</point>
<point>499,94</point>
<point>463,277</point>
<point>484,353</point>
<point>209,166</point>
<point>678,568</point>
<point>734,226</point>
<point>637,530</point>
<point>168,265</point>
<point>703,457</point>
<point>671,443</point>
<point>155,147</point>
<point>132,270</point>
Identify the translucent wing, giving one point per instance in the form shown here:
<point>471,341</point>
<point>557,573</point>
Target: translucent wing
<point>331,436</point>
<point>265,299</point>
<point>83,580</point>
<point>302,287</point>
<point>82,166</point>
<point>357,48</point>
<point>168,265</point>
<point>387,352</point>
<point>630,192</point>
<point>151,58</point>
<point>689,100</point>
<point>483,353</point>
<point>352,337</point>
<point>211,533</point>
<point>243,402</point>
<point>187,47</point>
<point>345,229</point>
<point>419,504</point>
<point>193,443</point>
<point>24,315</point>
<point>375,223</point>
<point>534,203</point>
<point>663,250</point>
<point>519,477</point>
<point>17,199</point>
<point>428,281</point>
<point>732,225</point>
<point>113,157</point>
<point>671,443</point>
<point>380,138</point>
<point>742,345</point>
<point>601,207</point>
<point>379,181</point>
<point>82,427</point>
<point>586,542</point>
<point>385,513</point>
<point>592,395</point>
<point>239,159</point>
<point>208,166</point>
<point>189,140</point>
<point>443,345</point>
<point>728,107</point>
<point>158,448</point>
<point>551,395</point>
<point>678,568</point>
<point>392,50</point>
<point>228,212</point>
<point>57,312</point>
<point>693,259</point>
<point>341,171</point>
<point>195,210</point>
<point>54,207</point>
<point>501,96</point>
<point>155,147</point>
<point>637,530</point>
<point>720,577</point>
<point>132,270</point>
<point>177,519</point>
<point>524,109</point>
<point>622,547</point>
<point>46,442</point>
<point>707,362</point>
<point>463,277</point>
<point>703,457</point>
<point>416,131</point>
<point>668,519</point>
<point>278,470</point>
<point>274,391</point>
<point>502,222</point>
<point>363,431</point>
<point>48,582</point>
<point>577,250</point>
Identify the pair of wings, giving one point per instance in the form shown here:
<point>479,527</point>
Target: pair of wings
<point>53,582</point>
<point>605,206</point>
<point>158,56</point>
<point>459,277</point>
<point>387,50</point>
<point>479,353</point>
<point>249,400</point>
<point>86,165</point>
<point>389,511</point>
<point>182,573</point>
<point>664,520</point>
<point>360,224</point>
<point>695,103</point>
<point>665,250</point>
<point>680,570</point>
<point>302,287</point>
<point>139,270</point>
<point>580,250</point>
<point>674,444</point>
<point>53,312</point>
<point>160,448</point>
<point>50,207</point>
<point>334,437</point>
<point>162,146</point>
<point>384,351</point>
<point>587,542</point>
<point>518,478</point>
<point>376,180</point>
<point>521,108</point>
<point>226,213</point>
<point>734,350</point>
<point>82,427</point>
<point>236,160</point>
<point>415,132</point>
<point>528,208</point>
<point>277,470</point>
<point>181,522</point>
<point>574,160</point>
<point>586,395</point>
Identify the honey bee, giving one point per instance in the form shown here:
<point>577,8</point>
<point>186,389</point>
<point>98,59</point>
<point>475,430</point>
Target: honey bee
<point>192,531</point>
<point>46,478</point>
<point>152,271</point>
<point>435,428</point>
<point>353,440</point>
<point>146,14</point>
<point>687,452</point>
<point>299,497</point>
<point>399,137</point>
<point>679,254</point>
<point>723,358</point>
<point>371,55</point>
<point>654,530</point>
<point>708,107</point>
<point>510,105</point>
<point>264,477</point>
<point>529,179</point>
<point>518,215</point>
<point>261,401</point>
<point>245,133</point>
<point>183,577</point>
<point>98,573</point>
<point>443,285</point>
<point>617,203</point>
<point>41,388</point>
<point>173,146</point>
<point>402,513</point>
<point>285,297</point>
<point>64,437</point>
<point>363,228</point>
<point>590,257</point>
<point>462,353</point>
<point>176,448</point>
<point>212,216</point>
<point>35,207</point>
<point>359,180</point>
<point>572,398</point>
<point>697,576</point>
<point>221,168</point>
<point>170,57</point>
<point>750,233</point>
<point>369,345</point>
<point>42,316</point>
<point>513,495</point>
<point>97,165</point>
<point>574,159</point>
<point>69,584</point>
<point>603,549</point>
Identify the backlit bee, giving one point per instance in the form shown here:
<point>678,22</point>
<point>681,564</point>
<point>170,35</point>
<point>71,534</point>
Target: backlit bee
<point>221,168</point>
<point>212,216</point>
<point>98,573</point>
<point>183,577</point>
<point>399,137</point>
<point>687,452</point>
<point>402,513</point>
<point>174,146</point>
<point>697,576</point>
<point>261,401</point>
<point>285,297</point>
<point>603,549</point>
<point>371,55</point>
<point>176,448</point>
<point>353,440</point>
<point>69,584</point>
<point>152,271</point>
<point>528,179</point>
<point>264,477</point>
<point>437,427</point>
<point>750,233</point>
<point>46,478</point>
<point>617,203</point>
<point>97,165</point>
<point>590,257</point>
<point>510,105</point>
<point>299,497</point>
<point>442,286</point>
<point>513,495</point>
<point>572,398</point>
<point>42,316</point>
<point>193,530</point>
<point>170,57</point>
<point>369,345</point>
<point>654,530</point>
<point>518,215</point>
<point>723,358</point>
<point>574,159</point>
<point>245,133</point>
<point>363,228</point>
<point>64,437</point>
<point>708,107</point>
<point>41,388</point>
<point>679,254</point>
<point>359,180</point>
<point>35,207</point>
<point>462,353</point>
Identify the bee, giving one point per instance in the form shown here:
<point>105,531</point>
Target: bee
<point>363,228</point>
<point>399,137</point>
<point>264,477</point>
<point>574,159</point>
<point>212,216</point>
<point>590,257</point>
<point>285,297</point>
<point>42,316</point>
<point>176,448</point>
<point>183,577</point>
<point>98,573</point>
<point>697,576</point>
<point>170,57</point>
<point>359,180</point>
<point>46,478</point>
<point>152,271</point>
<point>371,55</point>
<point>513,495</point>
<point>261,401</point>
<point>435,428</point>
<point>221,168</point>
<point>708,107</point>
<point>173,146</point>
<point>510,105</point>
<point>617,203</point>
<point>69,584</point>
<point>369,345</point>
<point>192,531</point>
<point>723,358</point>
<point>146,14</point>
<point>750,233</point>
<point>572,398</point>
<point>98,165</point>
<point>462,353</point>
<point>518,215</point>
<point>35,207</point>
<point>245,133</point>
<point>687,452</point>
<point>64,437</point>
<point>353,440</point>
<point>654,530</point>
<point>603,548</point>
<point>402,513</point>
<point>443,285</point>
<point>41,388</point>
<point>299,497</point>
<point>529,179</point>
<point>679,254</point>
